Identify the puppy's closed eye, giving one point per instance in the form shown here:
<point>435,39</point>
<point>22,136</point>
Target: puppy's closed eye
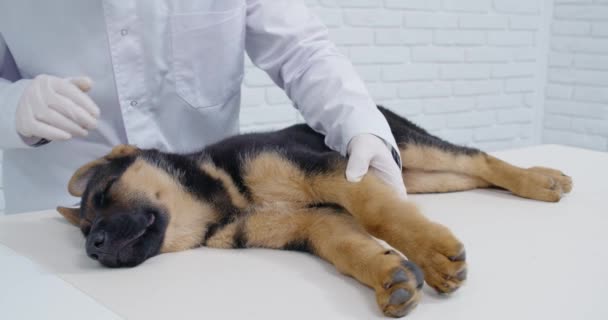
<point>101,199</point>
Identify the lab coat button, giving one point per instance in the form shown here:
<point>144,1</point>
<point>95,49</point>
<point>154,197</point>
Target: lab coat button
<point>133,103</point>
<point>124,32</point>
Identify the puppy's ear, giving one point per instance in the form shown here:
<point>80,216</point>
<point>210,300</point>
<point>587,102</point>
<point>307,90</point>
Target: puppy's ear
<point>70,214</point>
<point>81,177</point>
<point>122,150</point>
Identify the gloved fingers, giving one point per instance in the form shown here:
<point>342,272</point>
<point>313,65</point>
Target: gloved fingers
<point>370,153</point>
<point>83,83</point>
<point>48,132</point>
<point>72,92</point>
<point>37,94</point>
<point>358,165</point>
<point>61,122</point>
<point>389,173</point>
<point>70,110</point>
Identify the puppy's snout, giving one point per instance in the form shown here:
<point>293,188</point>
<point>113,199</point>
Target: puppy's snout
<point>121,239</point>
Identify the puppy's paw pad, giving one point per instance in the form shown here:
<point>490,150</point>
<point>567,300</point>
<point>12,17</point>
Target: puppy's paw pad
<point>400,290</point>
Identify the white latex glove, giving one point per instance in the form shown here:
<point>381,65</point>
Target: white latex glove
<point>369,152</point>
<point>53,108</point>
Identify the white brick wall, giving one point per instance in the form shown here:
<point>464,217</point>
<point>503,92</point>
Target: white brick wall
<point>464,69</point>
<point>576,109</point>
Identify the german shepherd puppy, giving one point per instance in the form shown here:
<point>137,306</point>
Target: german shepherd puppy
<point>286,190</point>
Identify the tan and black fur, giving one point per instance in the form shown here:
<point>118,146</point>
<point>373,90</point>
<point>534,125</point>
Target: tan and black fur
<point>287,190</point>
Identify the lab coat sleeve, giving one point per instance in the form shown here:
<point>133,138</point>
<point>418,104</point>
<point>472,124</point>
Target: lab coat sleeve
<point>11,89</point>
<point>292,45</point>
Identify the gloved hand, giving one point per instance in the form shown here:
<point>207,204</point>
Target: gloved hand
<point>53,108</point>
<point>367,151</point>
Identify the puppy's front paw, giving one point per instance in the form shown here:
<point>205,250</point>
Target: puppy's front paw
<point>399,292</point>
<point>442,258</point>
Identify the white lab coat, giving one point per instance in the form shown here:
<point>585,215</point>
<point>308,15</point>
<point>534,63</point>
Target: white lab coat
<point>167,75</point>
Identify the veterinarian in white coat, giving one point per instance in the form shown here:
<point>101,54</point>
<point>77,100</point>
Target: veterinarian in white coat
<point>166,74</point>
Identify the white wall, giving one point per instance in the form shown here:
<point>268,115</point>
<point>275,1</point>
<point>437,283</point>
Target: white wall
<point>464,69</point>
<point>576,110</point>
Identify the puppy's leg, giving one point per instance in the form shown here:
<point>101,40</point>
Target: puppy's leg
<point>374,205</point>
<point>422,151</point>
<point>337,238</point>
<point>420,181</point>
<point>430,245</point>
<point>534,183</point>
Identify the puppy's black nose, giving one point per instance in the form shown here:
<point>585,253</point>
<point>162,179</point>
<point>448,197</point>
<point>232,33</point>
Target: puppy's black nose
<point>99,239</point>
<point>96,244</point>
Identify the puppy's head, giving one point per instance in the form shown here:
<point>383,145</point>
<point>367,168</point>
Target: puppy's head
<point>131,209</point>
